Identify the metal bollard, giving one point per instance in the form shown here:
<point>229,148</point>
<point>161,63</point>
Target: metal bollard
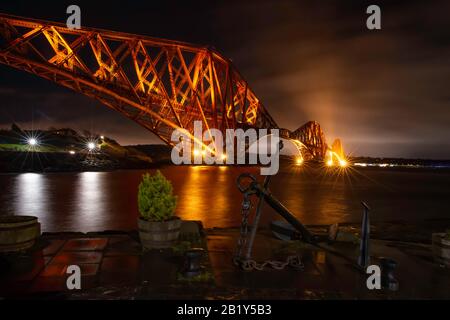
<point>364,256</point>
<point>388,280</point>
<point>192,262</point>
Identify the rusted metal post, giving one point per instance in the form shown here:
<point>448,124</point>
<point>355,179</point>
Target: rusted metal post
<point>364,257</point>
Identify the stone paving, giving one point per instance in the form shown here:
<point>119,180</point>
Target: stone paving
<point>111,260</point>
<point>326,275</point>
<point>113,266</point>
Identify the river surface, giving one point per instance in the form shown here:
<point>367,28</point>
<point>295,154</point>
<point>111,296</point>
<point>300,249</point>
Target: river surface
<point>97,201</point>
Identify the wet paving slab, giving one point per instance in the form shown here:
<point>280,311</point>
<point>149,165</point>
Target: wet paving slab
<point>89,244</point>
<point>45,270</point>
<point>113,266</point>
<point>327,274</point>
<point>106,260</point>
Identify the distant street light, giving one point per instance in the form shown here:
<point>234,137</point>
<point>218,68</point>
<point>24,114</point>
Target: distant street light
<point>72,152</point>
<point>91,146</point>
<point>32,142</point>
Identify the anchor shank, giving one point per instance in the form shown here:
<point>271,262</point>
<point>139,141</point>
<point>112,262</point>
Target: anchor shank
<point>283,211</point>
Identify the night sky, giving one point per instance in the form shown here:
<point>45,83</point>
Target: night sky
<point>384,92</point>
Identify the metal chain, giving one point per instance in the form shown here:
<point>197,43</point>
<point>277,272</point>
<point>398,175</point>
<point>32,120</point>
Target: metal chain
<point>250,264</point>
<point>291,261</point>
<point>245,212</point>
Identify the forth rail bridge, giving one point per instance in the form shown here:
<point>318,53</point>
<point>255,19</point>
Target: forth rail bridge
<point>160,84</point>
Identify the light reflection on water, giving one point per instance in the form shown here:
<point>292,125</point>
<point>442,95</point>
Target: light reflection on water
<point>92,203</point>
<point>96,201</point>
<point>205,196</point>
<point>31,195</point>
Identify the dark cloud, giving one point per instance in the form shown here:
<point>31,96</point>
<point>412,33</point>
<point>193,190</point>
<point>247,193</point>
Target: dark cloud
<point>383,92</point>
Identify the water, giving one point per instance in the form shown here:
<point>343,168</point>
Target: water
<point>97,201</point>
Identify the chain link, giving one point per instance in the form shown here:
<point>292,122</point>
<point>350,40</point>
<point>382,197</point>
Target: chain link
<point>291,261</point>
<point>242,241</point>
<point>250,264</point>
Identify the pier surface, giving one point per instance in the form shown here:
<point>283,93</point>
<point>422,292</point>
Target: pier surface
<point>113,266</point>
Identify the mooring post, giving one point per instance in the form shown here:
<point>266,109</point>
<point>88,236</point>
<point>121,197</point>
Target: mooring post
<point>388,280</point>
<point>364,257</point>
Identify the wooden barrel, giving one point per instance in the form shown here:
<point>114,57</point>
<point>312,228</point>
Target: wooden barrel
<point>18,233</point>
<point>159,235</point>
<point>441,249</point>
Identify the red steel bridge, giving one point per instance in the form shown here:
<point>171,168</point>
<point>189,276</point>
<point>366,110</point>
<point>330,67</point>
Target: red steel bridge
<point>160,84</point>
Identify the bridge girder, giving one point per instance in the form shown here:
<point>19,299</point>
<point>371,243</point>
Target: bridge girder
<point>312,136</point>
<point>160,84</point>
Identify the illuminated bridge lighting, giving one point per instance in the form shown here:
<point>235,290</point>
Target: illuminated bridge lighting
<point>86,61</point>
<point>340,160</point>
<point>343,163</point>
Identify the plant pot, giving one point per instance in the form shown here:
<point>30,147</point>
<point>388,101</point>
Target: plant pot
<point>18,233</point>
<point>441,249</point>
<point>159,235</point>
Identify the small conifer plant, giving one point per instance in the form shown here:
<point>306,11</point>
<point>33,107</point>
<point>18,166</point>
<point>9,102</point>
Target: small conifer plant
<point>155,198</point>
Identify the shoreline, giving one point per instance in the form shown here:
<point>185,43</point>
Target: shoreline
<point>418,232</point>
<point>157,164</point>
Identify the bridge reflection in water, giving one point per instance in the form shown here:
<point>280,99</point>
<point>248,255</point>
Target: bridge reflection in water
<point>200,186</point>
<point>108,200</point>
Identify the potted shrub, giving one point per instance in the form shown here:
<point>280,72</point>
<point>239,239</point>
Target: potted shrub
<point>158,227</point>
<point>441,247</point>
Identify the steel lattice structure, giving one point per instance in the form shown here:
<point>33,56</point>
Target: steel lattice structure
<point>160,84</point>
<point>312,136</point>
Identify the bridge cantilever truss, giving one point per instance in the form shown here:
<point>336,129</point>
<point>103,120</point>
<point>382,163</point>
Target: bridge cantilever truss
<point>160,84</point>
<point>312,136</point>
